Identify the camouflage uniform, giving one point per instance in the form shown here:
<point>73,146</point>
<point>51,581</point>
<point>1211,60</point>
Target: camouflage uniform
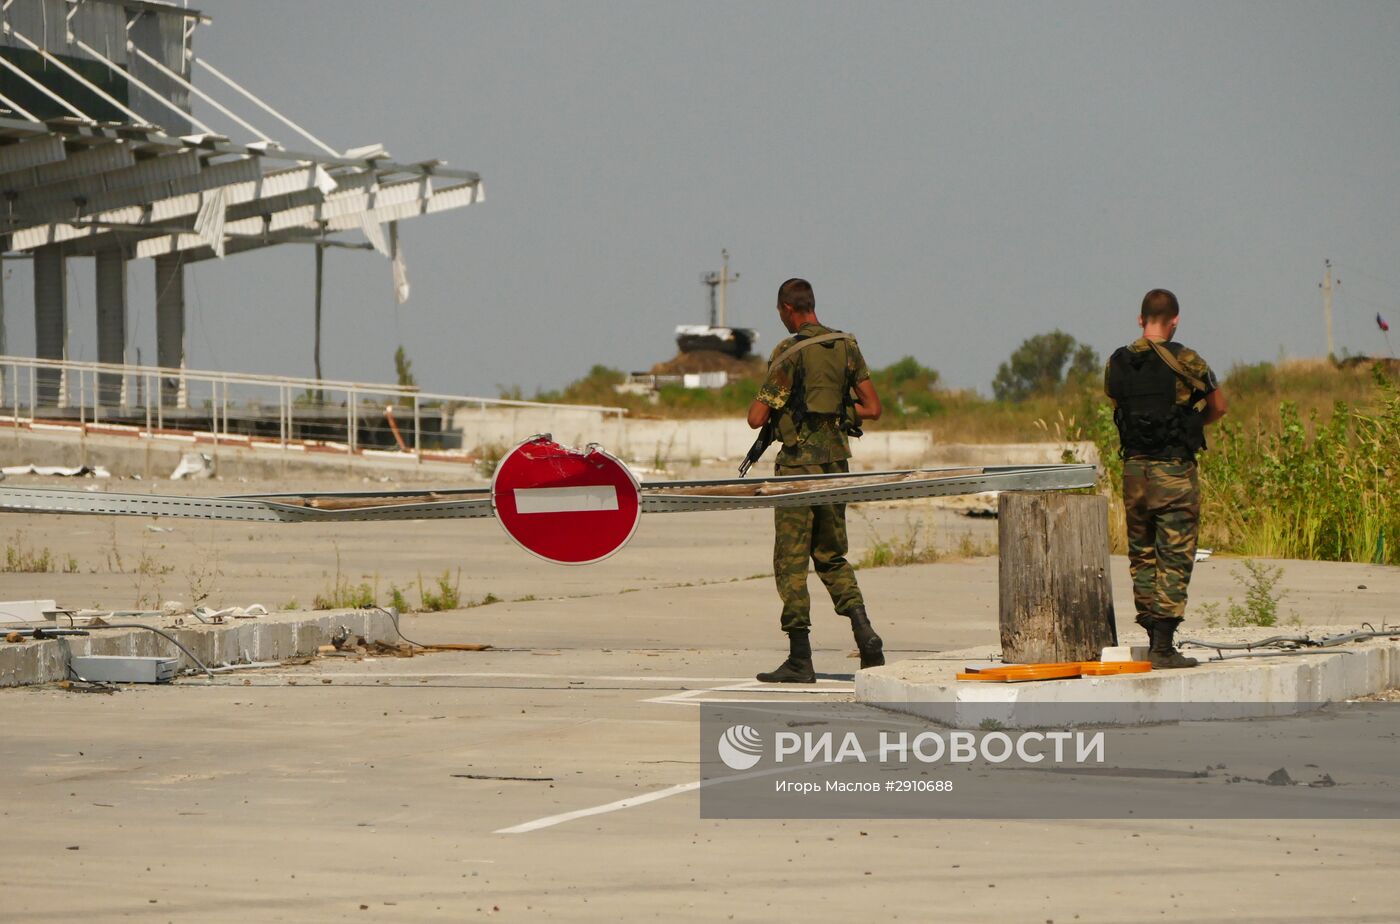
<point>817,533</point>
<point>1162,500</point>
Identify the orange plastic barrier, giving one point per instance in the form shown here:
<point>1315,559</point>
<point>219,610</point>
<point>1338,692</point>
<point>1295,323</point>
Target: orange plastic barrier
<point>1110,668</point>
<point>1017,673</point>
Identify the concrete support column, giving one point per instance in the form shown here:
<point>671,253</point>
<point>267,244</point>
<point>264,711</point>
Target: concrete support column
<point>50,318</point>
<point>111,322</point>
<point>5,378</point>
<point>170,321</point>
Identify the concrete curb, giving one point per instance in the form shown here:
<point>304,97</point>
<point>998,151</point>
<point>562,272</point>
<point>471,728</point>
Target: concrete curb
<point>1252,688</point>
<point>267,638</point>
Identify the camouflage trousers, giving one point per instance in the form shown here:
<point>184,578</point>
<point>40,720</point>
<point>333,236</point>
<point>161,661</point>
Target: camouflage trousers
<point>819,534</point>
<point>1163,502</point>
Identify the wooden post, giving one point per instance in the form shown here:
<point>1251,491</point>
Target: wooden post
<point>1056,595</point>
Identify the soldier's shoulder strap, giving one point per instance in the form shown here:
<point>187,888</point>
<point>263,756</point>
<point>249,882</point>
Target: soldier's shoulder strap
<point>805,342</point>
<point>1175,365</point>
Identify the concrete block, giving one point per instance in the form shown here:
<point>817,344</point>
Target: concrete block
<point>1254,687</point>
<point>269,638</point>
<point>1125,653</point>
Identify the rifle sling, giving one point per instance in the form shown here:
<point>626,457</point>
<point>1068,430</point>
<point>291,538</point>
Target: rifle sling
<point>1175,365</point>
<point>809,341</point>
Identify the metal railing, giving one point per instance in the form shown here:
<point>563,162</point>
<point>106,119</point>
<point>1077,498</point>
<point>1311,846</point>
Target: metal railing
<point>233,405</point>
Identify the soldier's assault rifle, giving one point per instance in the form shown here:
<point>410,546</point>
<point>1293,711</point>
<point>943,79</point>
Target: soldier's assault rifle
<point>766,434</point>
<point>850,423</point>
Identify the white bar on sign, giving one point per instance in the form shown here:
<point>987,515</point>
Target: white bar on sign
<point>566,500</point>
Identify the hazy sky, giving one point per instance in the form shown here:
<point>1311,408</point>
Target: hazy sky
<point>952,178</point>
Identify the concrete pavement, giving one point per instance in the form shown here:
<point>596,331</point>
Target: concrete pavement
<point>378,795</point>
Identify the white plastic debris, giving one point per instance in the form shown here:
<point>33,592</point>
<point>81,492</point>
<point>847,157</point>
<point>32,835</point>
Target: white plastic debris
<point>63,471</point>
<point>232,612</point>
<point>194,465</point>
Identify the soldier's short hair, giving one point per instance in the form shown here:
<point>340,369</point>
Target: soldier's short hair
<point>1159,305</point>
<point>797,295</point>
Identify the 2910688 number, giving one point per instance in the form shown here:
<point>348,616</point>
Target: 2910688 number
<point>922,785</point>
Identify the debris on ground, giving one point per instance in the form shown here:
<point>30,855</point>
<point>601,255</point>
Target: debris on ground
<point>1384,696</point>
<point>60,471</point>
<point>195,466</point>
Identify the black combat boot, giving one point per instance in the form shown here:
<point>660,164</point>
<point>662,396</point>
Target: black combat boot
<point>1148,623</point>
<point>798,666</point>
<point>1163,655</point>
<point>872,650</point>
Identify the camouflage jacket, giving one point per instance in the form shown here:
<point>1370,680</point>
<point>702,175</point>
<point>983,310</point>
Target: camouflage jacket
<point>820,438</point>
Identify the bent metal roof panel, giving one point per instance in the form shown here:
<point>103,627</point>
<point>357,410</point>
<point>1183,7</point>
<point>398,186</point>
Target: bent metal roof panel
<point>90,183</point>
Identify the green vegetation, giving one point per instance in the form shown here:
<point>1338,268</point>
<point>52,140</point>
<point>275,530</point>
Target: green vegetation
<point>594,388</point>
<point>1277,483</point>
<point>1261,600</point>
<point>20,558</point>
<point>403,368</point>
<point>489,455</point>
<point>448,595</point>
<point>342,595</point>
<point>913,545</point>
<point>909,392</point>
<point>1044,365</point>
<point>1319,487</point>
<point>1303,466</point>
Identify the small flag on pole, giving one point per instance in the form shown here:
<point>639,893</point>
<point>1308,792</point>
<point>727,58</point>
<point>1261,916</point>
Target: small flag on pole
<point>1380,322</point>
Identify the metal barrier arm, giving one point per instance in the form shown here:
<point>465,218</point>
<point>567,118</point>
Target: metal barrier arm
<point>468,503</point>
<point>866,487</point>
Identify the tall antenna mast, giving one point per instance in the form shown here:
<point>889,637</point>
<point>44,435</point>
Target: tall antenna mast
<point>719,281</point>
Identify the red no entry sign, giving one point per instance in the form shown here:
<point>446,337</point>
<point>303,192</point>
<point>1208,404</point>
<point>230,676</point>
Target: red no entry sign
<point>564,505</point>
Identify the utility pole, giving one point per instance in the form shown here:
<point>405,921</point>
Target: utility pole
<point>1326,287</point>
<point>723,287</point>
<point>316,348</point>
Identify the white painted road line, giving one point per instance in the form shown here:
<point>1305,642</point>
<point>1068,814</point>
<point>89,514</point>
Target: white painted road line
<point>552,820</point>
<point>578,499</point>
<point>700,697</point>
<point>495,675</point>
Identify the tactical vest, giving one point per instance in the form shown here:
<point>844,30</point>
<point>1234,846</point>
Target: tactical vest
<point>819,385</point>
<point>1151,423</point>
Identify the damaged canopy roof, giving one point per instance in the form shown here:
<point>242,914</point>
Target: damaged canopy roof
<point>99,148</point>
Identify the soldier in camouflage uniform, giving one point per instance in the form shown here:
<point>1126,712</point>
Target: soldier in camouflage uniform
<point>1164,394</point>
<point>814,394</point>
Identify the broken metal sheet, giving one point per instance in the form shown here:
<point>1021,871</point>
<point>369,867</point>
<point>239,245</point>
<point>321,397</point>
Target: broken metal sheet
<point>374,233</point>
<point>209,223</point>
<point>399,264</point>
